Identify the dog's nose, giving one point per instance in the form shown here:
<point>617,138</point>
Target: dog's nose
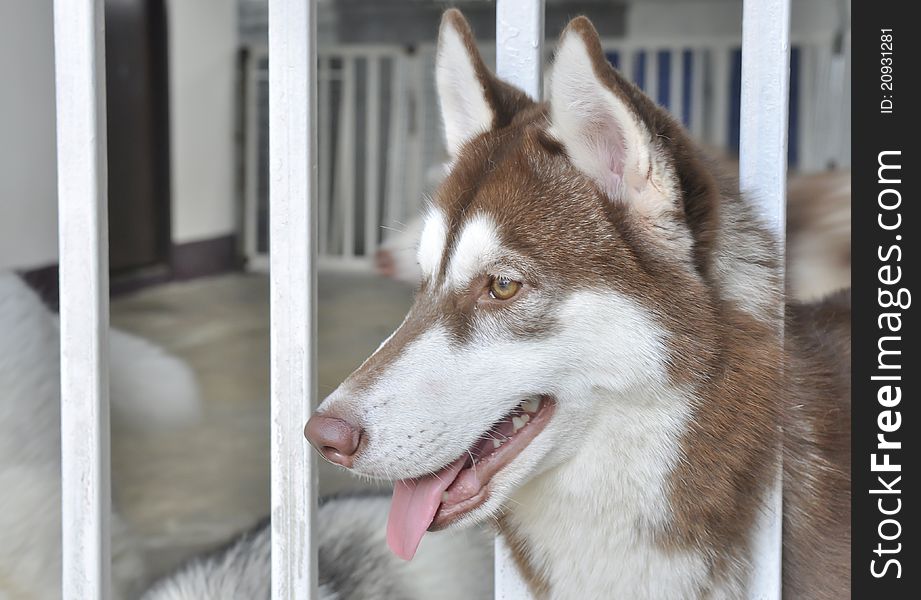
<point>335,439</point>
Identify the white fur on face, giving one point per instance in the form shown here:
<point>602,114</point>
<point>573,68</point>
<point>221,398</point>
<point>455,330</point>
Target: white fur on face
<point>436,399</point>
<point>478,246</point>
<point>432,242</point>
<point>464,108</point>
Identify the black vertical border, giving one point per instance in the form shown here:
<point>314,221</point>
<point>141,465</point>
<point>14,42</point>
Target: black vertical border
<point>874,132</point>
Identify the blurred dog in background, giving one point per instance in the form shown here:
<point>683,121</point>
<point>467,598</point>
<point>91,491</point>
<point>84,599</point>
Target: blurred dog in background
<point>353,559</point>
<point>148,388</point>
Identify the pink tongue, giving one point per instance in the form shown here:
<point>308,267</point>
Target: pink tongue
<point>414,504</point>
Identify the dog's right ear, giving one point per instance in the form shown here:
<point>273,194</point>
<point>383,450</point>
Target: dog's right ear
<point>595,113</point>
<point>473,100</point>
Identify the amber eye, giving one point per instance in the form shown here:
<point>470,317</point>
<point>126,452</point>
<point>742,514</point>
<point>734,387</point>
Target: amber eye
<point>503,288</point>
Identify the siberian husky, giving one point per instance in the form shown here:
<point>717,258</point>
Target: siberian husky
<point>148,387</point>
<point>593,361</point>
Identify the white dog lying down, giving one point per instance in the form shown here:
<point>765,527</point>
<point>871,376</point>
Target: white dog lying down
<point>148,388</point>
<point>354,562</point>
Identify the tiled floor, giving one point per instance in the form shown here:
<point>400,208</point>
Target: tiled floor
<point>190,489</point>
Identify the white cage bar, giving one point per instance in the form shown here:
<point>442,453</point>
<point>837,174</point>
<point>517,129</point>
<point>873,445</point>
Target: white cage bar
<point>293,284</point>
<point>520,61</point>
<point>520,43</point>
<point>763,177</point>
<point>79,38</point>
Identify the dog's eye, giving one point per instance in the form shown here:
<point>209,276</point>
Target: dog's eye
<point>503,288</point>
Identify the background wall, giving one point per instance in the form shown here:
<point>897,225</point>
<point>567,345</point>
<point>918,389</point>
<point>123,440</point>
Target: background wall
<point>724,17</point>
<point>28,204</point>
<point>202,55</point>
<point>203,43</point>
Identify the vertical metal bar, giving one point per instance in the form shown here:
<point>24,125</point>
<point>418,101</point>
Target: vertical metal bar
<point>844,143</point>
<point>808,106</point>
<point>325,177</point>
<point>519,60</point>
<point>79,44</point>
<point>519,43</point>
<point>345,164</point>
<point>372,152</point>
<point>628,62</point>
<point>651,77</point>
<point>397,137</point>
<point>251,153</point>
<point>292,256</point>
<point>698,87</point>
<point>415,127</point>
<point>765,91</point>
<point>676,82</point>
<point>763,177</point>
<point>719,97</point>
<point>827,122</point>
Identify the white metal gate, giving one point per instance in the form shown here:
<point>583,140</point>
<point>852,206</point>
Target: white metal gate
<point>295,220</point>
<point>372,149</point>
<point>379,135</point>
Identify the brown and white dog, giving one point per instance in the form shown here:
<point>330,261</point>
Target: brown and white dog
<point>593,359</point>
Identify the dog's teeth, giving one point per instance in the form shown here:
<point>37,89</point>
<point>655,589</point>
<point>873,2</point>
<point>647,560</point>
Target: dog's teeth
<point>531,405</point>
<point>444,496</point>
<point>525,419</point>
<point>518,422</point>
<point>496,443</point>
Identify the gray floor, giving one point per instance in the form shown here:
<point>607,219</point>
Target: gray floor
<point>188,490</point>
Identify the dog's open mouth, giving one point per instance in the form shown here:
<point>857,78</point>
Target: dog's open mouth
<point>435,501</point>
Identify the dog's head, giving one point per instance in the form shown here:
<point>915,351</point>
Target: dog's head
<point>565,259</point>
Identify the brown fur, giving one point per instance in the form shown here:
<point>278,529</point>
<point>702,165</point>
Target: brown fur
<point>817,450</point>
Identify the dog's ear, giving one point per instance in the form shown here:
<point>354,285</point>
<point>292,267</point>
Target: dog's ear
<point>473,100</point>
<point>594,112</point>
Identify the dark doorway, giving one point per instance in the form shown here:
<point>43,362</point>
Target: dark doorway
<point>137,111</point>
